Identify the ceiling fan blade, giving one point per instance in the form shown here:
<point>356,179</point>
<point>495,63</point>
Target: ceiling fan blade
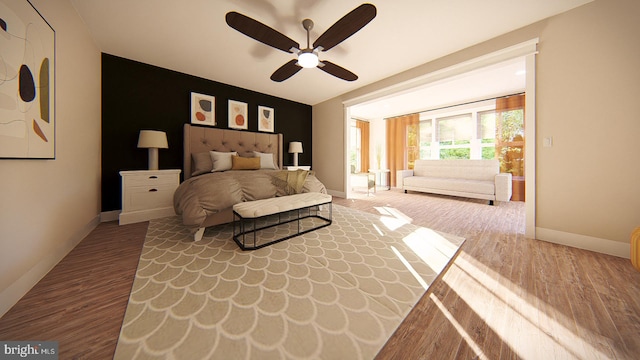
<point>261,32</point>
<point>337,71</point>
<point>286,71</point>
<point>345,27</point>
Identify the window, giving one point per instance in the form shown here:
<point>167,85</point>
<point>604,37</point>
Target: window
<point>487,129</point>
<point>487,133</point>
<point>426,138</point>
<point>454,136</point>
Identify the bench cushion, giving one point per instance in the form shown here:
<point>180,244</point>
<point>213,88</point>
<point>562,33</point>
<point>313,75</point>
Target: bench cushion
<point>264,207</point>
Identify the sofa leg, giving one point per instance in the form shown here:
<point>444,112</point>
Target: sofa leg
<point>491,202</point>
<point>405,191</point>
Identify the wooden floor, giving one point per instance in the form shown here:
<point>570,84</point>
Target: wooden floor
<point>503,297</point>
<point>81,302</point>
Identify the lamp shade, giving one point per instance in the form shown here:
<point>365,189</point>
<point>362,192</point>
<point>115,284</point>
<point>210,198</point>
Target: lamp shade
<point>295,147</point>
<point>153,139</point>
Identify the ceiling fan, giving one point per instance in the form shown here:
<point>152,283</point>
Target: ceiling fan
<point>348,25</point>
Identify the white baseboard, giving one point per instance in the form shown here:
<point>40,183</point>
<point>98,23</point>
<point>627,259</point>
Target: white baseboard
<point>145,215</point>
<point>14,292</point>
<point>340,194</point>
<point>107,216</point>
<point>604,246</point>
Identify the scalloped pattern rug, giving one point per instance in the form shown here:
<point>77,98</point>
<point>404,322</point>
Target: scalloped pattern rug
<point>335,293</point>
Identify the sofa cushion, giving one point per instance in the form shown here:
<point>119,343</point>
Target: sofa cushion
<point>451,184</point>
<point>458,169</point>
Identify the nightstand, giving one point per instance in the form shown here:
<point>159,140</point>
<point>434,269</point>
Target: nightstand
<point>147,194</point>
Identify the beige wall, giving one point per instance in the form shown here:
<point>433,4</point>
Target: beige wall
<point>48,206</point>
<point>588,90</point>
<point>328,129</point>
<point>588,86</point>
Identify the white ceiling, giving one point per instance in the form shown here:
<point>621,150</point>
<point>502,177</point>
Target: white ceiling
<point>191,36</point>
<point>505,78</point>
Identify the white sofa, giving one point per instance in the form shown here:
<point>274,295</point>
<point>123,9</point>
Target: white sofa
<point>479,179</point>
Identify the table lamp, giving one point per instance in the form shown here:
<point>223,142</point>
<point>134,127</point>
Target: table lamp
<point>295,148</point>
<point>153,140</point>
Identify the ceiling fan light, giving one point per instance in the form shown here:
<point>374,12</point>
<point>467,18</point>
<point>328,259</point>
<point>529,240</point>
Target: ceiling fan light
<point>308,59</point>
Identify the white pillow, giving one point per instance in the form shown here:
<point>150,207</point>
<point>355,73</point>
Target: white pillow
<point>221,160</point>
<point>266,160</point>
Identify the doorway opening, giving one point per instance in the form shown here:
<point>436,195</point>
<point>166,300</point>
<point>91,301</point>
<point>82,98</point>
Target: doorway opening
<point>443,137</point>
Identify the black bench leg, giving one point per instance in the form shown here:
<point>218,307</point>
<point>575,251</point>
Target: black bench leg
<point>405,191</point>
<point>491,202</point>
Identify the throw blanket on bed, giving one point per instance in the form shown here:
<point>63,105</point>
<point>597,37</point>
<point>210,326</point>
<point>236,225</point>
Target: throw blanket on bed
<point>291,181</point>
<point>206,194</point>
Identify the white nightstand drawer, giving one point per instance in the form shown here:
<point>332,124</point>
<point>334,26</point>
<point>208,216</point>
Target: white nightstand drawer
<point>150,179</point>
<point>149,197</point>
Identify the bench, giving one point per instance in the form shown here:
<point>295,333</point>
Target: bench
<point>251,218</point>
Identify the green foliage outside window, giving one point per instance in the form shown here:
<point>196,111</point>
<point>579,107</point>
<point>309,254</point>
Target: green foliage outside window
<point>488,153</point>
<point>456,142</point>
<point>464,153</point>
<point>512,124</point>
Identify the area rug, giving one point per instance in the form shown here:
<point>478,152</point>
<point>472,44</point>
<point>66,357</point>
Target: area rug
<point>335,293</point>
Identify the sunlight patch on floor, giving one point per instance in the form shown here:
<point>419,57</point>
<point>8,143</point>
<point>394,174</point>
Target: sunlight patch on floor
<point>517,318</point>
<point>410,268</point>
<point>434,249</point>
<point>392,218</point>
<point>431,247</point>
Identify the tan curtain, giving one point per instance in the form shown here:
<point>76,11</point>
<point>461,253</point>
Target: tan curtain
<point>507,103</point>
<point>397,147</point>
<point>364,143</point>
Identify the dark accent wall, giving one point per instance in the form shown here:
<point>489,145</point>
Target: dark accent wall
<point>137,96</point>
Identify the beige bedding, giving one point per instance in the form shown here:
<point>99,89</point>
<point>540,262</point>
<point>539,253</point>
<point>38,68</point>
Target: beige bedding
<point>199,197</point>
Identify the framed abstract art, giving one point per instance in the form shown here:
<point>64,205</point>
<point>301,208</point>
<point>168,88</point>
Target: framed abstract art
<point>238,118</point>
<point>203,109</point>
<point>266,118</point>
<point>27,83</point>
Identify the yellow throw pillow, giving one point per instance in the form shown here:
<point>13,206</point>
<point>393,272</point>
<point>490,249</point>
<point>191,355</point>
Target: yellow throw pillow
<point>243,163</point>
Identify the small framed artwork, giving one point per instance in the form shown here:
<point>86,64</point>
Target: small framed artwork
<point>266,118</point>
<point>238,115</point>
<point>203,109</point>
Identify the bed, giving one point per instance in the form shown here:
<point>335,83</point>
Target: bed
<point>212,185</point>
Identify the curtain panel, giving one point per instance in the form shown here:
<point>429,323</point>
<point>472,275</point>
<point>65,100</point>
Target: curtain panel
<point>507,103</point>
<point>397,143</point>
<point>364,144</point>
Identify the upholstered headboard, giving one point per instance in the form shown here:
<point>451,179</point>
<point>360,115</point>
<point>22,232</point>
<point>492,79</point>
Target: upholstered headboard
<point>199,139</point>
